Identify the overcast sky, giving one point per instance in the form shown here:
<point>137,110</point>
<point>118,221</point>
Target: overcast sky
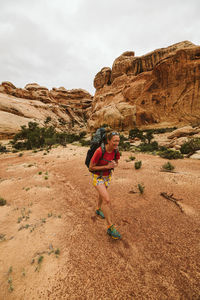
<point>66,42</point>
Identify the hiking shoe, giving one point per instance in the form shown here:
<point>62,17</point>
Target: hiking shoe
<point>113,232</point>
<point>100,213</point>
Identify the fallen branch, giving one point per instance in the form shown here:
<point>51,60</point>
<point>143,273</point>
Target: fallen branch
<point>171,198</point>
<point>168,171</point>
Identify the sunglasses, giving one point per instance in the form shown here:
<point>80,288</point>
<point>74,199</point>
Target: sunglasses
<point>114,133</point>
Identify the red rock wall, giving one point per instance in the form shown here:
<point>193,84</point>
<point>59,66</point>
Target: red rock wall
<point>162,87</point>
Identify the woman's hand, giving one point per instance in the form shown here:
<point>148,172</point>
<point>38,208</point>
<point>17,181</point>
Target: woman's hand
<point>111,165</point>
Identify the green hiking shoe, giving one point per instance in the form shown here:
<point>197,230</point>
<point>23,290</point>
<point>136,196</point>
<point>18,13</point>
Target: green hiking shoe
<point>113,232</point>
<point>100,213</point>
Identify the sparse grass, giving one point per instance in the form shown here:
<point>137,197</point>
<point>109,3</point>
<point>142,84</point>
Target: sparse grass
<point>2,237</point>
<point>40,173</point>
<point>138,164</point>
<point>46,177</point>
<point>168,166</point>
<point>57,252</point>
<point>19,220</point>
<point>40,259</point>
<point>131,157</point>
<point>24,226</point>
<point>50,215</point>
<point>2,201</point>
<point>21,154</point>
<point>10,288</point>
<point>141,188</point>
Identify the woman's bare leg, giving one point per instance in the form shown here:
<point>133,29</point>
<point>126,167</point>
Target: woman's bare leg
<point>105,202</point>
<point>100,201</point>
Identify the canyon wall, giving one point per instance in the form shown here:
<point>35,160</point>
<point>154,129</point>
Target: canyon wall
<point>159,89</point>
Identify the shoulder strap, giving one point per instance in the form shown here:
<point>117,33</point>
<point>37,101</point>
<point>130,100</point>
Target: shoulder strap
<point>103,149</point>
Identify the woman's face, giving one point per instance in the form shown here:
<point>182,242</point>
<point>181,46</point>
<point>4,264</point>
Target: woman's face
<point>114,142</point>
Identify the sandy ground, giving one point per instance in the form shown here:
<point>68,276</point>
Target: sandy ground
<point>51,206</point>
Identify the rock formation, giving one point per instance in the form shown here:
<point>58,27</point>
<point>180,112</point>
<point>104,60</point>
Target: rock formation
<point>67,109</point>
<point>159,89</point>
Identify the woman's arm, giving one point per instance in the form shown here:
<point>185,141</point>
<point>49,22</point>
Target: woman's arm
<point>94,167</point>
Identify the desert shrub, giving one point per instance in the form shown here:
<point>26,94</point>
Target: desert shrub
<point>149,136</point>
<point>48,119</point>
<point>141,188</point>
<point>124,144</point>
<point>163,130</point>
<point>2,201</point>
<point>3,149</point>
<point>138,164</point>
<point>105,125</point>
<point>131,157</point>
<point>191,146</point>
<point>40,137</point>
<point>168,166</point>
<point>82,134</point>
<point>62,121</point>
<point>136,133</point>
<point>171,154</point>
<point>144,147</point>
<point>84,143</point>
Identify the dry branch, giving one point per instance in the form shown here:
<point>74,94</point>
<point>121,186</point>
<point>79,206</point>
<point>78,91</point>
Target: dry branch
<point>171,198</point>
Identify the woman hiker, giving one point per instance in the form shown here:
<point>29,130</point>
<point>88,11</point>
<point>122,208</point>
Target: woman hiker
<point>102,173</point>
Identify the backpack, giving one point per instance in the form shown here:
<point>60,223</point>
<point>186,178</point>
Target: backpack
<point>97,141</point>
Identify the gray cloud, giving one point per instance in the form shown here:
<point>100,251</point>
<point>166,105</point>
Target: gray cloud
<point>62,43</point>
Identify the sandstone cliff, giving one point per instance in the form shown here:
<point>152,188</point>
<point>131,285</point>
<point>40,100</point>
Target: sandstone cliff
<point>67,108</point>
<point>159,89</point>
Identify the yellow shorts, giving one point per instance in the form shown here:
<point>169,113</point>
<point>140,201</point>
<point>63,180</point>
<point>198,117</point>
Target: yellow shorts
<point>98,179</point>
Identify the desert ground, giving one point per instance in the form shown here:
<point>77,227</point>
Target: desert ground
<point>53,246</point>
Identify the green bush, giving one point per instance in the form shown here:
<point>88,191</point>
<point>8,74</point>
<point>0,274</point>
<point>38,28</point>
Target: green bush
<point>136,133</point>
<point>191,146</point>
<point>3,149</point>
<point>149,136</point>
<point>82,134</point>
<point>131,157</point>
<point>168,166</point>
<point>148,147</point>
<point>138,164</point>
<point>40,137</point>
<point>141,188</point>
<point>2,201</point>
<point>124,144</point>
<point>171,154</point>
<point>48,119</point>
<point>84,143</point>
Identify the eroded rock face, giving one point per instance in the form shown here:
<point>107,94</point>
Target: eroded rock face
<point>66,108</point>
<point>162,86</point>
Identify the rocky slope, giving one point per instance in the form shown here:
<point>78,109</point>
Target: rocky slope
<point>66,108</point>
<point>158,89</point>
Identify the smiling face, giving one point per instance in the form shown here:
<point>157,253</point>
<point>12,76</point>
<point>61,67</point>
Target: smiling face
<point>113,143</point>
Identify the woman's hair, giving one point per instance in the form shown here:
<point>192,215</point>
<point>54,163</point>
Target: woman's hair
<point>111,134</point>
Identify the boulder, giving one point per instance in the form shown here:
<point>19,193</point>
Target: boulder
<point>196,155</point>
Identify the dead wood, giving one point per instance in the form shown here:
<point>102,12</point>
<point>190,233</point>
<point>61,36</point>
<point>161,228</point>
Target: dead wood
<point>171,198</point>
